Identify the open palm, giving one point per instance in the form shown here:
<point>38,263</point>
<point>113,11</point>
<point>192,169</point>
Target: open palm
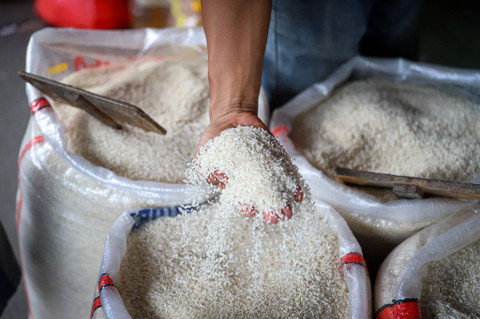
<point>232,120</point>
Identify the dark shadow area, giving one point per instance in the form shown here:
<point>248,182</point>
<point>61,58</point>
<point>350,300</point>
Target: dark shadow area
<point>450,33</point>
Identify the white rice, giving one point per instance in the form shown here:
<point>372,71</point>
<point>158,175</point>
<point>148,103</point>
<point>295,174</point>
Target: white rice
<point>392,128</point>
<point>175,268</point>
<point>451,288</point>
<point>174,93</point>
<point>216,263</point>
<point>260,172</point>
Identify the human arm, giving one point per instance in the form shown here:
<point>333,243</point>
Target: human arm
<point>236,32</point>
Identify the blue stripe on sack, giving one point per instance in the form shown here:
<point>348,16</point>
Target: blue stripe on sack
<point>147,215</point>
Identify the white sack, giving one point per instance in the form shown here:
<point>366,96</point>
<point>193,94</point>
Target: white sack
<point>67,205</point>
<point>378,226</point>
<point>400,276</point>
<point>111,305</point>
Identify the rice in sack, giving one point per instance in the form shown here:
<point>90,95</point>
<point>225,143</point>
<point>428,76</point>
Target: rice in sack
<point>174,93</point>
<point>434,272</point>
<point>215,262</point>
<point>203,265</point>
<point>390,116</point>
<point>76,176</point>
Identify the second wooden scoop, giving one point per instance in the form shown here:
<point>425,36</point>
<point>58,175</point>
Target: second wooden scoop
<point>107,110</point>
<point>409,187</point>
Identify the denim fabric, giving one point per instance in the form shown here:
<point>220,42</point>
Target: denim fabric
<point>309,39</point>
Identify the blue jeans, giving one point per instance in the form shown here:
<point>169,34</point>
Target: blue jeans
<point>309,39</point>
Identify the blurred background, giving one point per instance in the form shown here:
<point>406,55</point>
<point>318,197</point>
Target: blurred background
<point>449,35</point>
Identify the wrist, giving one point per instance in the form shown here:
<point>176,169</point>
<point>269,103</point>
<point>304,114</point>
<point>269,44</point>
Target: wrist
<point>232,94</point>
<point>231,109</point>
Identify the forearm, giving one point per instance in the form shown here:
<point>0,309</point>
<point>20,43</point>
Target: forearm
<point>236,33</point>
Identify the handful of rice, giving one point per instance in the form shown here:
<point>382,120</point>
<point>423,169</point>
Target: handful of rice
<point>259,170</point>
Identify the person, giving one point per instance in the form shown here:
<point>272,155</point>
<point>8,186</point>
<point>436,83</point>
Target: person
<point>307,41</point>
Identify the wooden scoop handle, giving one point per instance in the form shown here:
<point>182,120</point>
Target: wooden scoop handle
<point>407,186</point>
<point>107,110</point>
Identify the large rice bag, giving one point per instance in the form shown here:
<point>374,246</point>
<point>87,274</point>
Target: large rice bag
<point>108,301</point>
<point>66,205</point>
<point>443,258</point>
<point>379,226</point>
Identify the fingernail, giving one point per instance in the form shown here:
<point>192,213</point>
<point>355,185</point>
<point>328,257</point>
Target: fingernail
<point>287,212</point>
<point>299,195</point>
<point>247,210</point>
<point>270,218</point>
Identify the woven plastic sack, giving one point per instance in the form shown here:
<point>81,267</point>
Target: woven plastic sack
<point>378,226</point>
<point>399,281</point>
<point>108,301</point>
<point>65,204</point>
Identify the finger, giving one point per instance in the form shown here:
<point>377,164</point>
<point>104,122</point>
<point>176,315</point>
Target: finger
<point>247,210</point>
<point>287,212</point>
<point>270,218</point>
<point>222,178</point>
<point>298,195</point>
<point>218,179</point>
<point>212,179</point>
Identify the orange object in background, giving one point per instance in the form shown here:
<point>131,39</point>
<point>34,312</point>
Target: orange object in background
<point>165,13</point>
<point>84,14</point>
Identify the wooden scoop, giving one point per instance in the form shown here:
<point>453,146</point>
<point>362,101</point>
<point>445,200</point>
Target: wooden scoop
<point>409,187</point>
<point>107,110</point>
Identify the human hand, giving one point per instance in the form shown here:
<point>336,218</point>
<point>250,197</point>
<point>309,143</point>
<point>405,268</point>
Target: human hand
<point>241,116</point>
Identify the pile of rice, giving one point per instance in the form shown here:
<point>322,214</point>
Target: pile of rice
<point>173,93</point>
<point>216,263</point>
<point>451,288</point>
<point>204,265</point>
<point>260,173</point>
<point>392,128</point>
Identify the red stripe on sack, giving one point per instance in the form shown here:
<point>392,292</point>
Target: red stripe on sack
<point>280,129</point>
<point>400,309</point>
<point>36,140</point>
<point>354,258</point>
<point>19,207</point>
<point>97,303</point>
<point>105,281</point>
<point>38,104</point>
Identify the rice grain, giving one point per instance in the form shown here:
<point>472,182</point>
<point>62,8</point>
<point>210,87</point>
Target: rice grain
<point>173,93</point>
